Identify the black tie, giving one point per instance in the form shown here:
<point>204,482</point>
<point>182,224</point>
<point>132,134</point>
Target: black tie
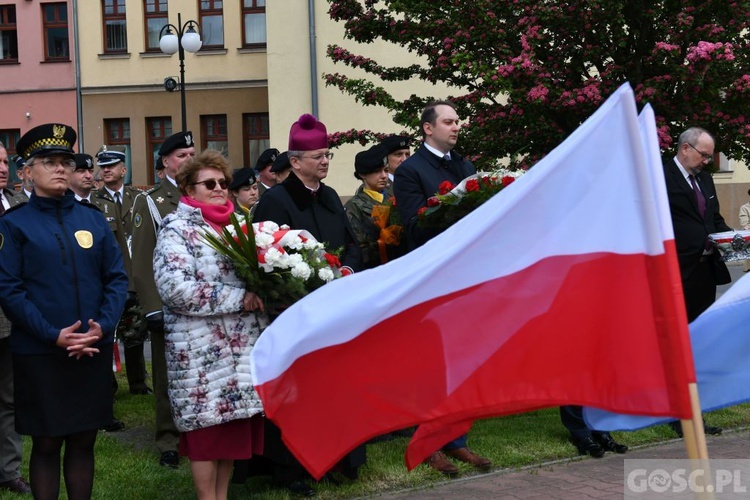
<point>118,200</point>
<point>84,200</point>
<point>698,197</point>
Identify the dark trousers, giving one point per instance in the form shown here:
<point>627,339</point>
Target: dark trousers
<point>10,441</point>
<point>135,367</point>
<point>167,436</point>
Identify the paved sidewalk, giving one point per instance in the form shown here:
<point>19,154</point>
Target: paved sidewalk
<point>574,479</point>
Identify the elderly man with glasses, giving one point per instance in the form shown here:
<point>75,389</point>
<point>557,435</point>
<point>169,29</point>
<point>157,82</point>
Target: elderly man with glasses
<point>694,207</point>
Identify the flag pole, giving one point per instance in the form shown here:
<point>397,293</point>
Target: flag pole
<point>692,429</point>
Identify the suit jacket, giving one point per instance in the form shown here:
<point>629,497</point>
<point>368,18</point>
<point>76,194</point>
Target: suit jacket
<point>322,215</point>
<point>690,229</point>
<point>166,197</point>
<point>417,179</point>
<point>14,199</point>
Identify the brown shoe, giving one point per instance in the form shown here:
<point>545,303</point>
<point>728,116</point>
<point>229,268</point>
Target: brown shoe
<point>440,463</point>
<point>17,485</point>
<point>468,456</point>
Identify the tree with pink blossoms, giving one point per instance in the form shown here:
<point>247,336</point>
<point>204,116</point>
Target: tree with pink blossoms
<point>526,73</point>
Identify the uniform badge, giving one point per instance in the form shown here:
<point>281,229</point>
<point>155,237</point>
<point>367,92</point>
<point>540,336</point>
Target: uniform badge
<point>137,220</point>
<point>106,209</point>
<point>84,239</point>
<point>159,200</point>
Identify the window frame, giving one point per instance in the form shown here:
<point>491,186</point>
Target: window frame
<point>253,10</point>
<point>210,11</point>
<point>56,24</point>
<point>255,127</point>
<point>119,17</point>
<point>207,136</point>
<point>120,139</point>
<point>8,26</point>
<point>154,124</point>
<point>158,13</point>
<point>9,138</point>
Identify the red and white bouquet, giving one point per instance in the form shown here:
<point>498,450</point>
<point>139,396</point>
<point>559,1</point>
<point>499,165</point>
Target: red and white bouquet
<point>453,202</point>
<point>280,264</point>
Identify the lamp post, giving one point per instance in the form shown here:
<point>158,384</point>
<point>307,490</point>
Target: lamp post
<point>187,38</point>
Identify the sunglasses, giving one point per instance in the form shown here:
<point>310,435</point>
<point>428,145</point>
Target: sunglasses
<point>211,184</point>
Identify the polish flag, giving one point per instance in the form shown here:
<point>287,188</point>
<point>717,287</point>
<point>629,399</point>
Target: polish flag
<point>563,289</point>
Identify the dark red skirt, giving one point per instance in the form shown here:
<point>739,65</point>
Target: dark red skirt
<point>234,440</point>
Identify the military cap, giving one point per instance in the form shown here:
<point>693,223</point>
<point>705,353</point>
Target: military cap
<point>109,156</point>
<point>242,177</point>
<point>370,160</point>
<point>180,140</point>
<point>84,161</point>
<point>308,134</point>
<point>159,164</point>
<point>395,142</point>
<point>281,163</point>
<point>20,162</point>
<point>266,158</point>
<point>47,139</point>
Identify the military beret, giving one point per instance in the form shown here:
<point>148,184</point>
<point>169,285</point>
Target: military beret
<point>106,157</point>
<point>158,163</point>
<point>84,161</point>
<point>266,158</point>
<point>47,139</point>
<point>395,142</point>
<point>281,163</point>
<point>370,160</point>
<point>242,177</point>
<point>180,140</point>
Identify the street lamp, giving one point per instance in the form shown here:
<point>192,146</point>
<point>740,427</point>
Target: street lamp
<point>187,38</point>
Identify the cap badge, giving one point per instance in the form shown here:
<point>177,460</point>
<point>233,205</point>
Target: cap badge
<point>84,239</point>
<point>58,131</point>
<point>188,140</point>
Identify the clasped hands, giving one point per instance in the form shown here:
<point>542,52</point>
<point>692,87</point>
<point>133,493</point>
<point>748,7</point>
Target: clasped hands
<point>79,344</point>
<point>251,302</point>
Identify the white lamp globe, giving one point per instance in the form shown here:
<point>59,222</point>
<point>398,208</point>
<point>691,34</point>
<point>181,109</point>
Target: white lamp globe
<point>169,43</point>
<point>191,41</point>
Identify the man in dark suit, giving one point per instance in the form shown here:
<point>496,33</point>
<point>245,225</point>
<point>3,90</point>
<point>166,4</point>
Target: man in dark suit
<point>416,180</point>
<point>694,207</point>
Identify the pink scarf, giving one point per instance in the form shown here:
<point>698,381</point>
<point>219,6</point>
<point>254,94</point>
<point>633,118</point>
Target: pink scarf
<point>216,215</point>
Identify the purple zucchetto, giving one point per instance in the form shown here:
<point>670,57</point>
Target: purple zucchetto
<point>308,134</point>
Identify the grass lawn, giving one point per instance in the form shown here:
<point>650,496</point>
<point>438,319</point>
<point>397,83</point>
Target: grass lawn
<point>127,469</point>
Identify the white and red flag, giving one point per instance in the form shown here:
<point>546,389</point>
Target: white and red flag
<point>563,289</point>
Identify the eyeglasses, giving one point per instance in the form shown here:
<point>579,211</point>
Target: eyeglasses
<point>320,156</point>
<point>50,164</point>
<point>706,157</point>
<point>211,184</point>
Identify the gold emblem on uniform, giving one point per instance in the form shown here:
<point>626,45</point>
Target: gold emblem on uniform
<point>84,239</point>
<point>58,131</point>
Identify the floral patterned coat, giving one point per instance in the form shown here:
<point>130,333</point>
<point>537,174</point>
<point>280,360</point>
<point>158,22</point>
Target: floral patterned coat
<point>208,336</point>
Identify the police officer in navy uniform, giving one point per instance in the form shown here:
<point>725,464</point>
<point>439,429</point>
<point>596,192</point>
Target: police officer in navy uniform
<point>149,209</point>
<point>131,330</point>
<point>63,287</point>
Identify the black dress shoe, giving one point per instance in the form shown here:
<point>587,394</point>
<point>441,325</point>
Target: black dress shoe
<point>607,443</point>
<point>17,485</point>
<point>170,459</point>
<point>115,426</point>
<point>587,446</point>
<point>300,488</point>
<point>142,392</point>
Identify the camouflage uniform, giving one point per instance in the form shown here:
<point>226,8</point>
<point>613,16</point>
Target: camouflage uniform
<point>366,232</point>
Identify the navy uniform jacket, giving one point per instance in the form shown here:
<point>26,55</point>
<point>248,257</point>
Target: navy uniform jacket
<point>59,263</point>
<point>417,179</point>
<point>323,215</point>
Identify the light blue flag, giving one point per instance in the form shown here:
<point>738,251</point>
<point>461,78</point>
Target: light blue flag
<point>720,338</point>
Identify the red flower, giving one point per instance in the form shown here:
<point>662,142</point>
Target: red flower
<point>472,185</point>
<point>432,201</point>
<point>421,211</point>
<point>507,180</point>
<point>392,201</point>
<point>445,187</point>
<point>332,260</point>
